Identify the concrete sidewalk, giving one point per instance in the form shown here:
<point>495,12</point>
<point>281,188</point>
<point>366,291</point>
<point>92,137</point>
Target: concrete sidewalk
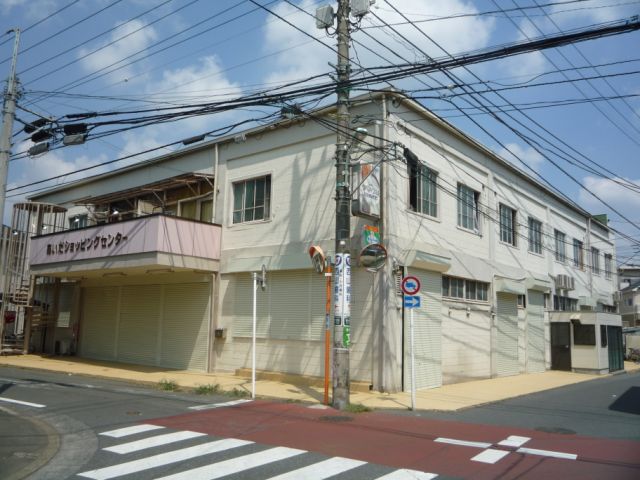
<point>446,398</point>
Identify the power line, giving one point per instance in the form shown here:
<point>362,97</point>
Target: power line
<point>526,139</point>
<point>59,32</point>
<point>118,26</point>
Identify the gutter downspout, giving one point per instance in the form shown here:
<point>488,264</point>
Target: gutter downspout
<point>215,182</point>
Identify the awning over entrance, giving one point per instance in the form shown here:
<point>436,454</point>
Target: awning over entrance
<point>509,285</point>
<point>427,261</point>
<point>534,283</point>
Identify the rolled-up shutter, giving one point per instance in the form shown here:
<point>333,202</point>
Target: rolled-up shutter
<point>507,335</point>
<point>98,325</point>
<point>140,311</point>
<point>427,333</point>
<point>535,331</point>
<point>185,326</point>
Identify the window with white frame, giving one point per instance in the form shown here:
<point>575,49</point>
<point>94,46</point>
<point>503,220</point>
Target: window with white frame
<point>466,289</point>
<point>535,235</point>
<point>252,199</point>
<point>560,250</point>
<point>578,254</point>
<point>595,260</point>
<point>608,264</point>
<point>423,196</point>
<point>468,208</point>
<point>508,225</point>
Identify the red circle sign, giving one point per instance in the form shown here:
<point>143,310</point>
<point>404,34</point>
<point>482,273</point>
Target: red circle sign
<point>410,285</point>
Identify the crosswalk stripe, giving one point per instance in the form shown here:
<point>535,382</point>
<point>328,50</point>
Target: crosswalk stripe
<point>161,459</point>
<point>406,474</point>
<point>123,432</point>
<point>318,471</point>
<point>220,405</point>
<point>235,465</point>
<point>153,441</point>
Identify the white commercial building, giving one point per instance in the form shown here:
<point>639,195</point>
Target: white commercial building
<point>156,265</point>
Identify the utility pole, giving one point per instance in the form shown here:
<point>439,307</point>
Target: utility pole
<point>342,290</point>
<point>8,114</point>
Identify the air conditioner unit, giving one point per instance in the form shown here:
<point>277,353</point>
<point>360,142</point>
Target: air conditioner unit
<point>616,297</point>
<point>565,282</point>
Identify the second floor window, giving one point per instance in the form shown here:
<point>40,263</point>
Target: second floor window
<point>423,191</point>
<point>468,208</point>
<point>252,199</point>
<point>560,246</point>
<point>507,225</point>
<point>564,304</point>
<point>535,236</point>
<point>595,260</point>
<point>578,254</point>
<point>608,264</point>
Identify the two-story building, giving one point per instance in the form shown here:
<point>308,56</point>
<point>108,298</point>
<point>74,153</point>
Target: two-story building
<point>155,266</point>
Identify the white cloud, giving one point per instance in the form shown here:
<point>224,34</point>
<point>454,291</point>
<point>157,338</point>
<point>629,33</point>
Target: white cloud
<point>310,57</point>
<point>528,155</point>
<point>531,63</point>
<point>593,11</point>
<point>31,8</point>
<point>138,38</point>
<point>622,199</point>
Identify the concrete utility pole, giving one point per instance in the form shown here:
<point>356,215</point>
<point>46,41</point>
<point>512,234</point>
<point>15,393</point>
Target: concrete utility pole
<point>342,289</point>
<point>8,114</point>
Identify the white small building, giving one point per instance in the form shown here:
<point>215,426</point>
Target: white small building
<point>156,265</point>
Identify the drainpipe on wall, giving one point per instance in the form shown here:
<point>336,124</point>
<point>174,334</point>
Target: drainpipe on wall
<point>215,182</point>
<point>590,266</point>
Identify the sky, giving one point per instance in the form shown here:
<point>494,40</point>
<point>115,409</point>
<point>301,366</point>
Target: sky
<point>80,56</point>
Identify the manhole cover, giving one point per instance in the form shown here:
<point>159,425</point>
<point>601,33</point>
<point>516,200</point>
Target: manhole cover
<point>336,418</point>
<point>563,431</point>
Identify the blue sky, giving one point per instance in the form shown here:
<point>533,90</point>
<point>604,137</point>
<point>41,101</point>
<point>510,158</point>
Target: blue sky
<point>197,50</point>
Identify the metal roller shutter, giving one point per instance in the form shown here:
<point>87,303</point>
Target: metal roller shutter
<point>140,316</point>
<point>292,307</point>
<point>507,335</point>
<point>99,323</point>
<point>427,333</point>
<point>535,331</point>
<point>185,326</point>
<point>241,306</point>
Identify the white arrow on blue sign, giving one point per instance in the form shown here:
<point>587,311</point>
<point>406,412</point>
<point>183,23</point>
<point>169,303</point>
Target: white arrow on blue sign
<point>412,301</point>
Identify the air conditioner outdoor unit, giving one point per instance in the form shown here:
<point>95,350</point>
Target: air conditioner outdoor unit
<point>565,282</point>
<point>616,297</point>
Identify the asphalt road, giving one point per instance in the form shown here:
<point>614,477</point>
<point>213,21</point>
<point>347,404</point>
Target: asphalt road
<point>607,407</point>
<point>76,427</point>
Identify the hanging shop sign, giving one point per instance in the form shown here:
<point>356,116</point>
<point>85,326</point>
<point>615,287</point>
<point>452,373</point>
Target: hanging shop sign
<point>342,290</point>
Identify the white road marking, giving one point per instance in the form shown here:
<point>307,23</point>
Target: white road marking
<point>324,469</point>
<point>490,455</point>
<point>235,465</point>
<point>123,432</point>
<point>406,474</point>
<point>463,443</point>
<point>153,441</point>
<point>20,402</point>
<point>514,441</point>
<point>220,405</point>
<point>162,459</point>
<point>547,453</point>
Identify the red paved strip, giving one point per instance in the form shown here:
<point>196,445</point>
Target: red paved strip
<point>408,442</point>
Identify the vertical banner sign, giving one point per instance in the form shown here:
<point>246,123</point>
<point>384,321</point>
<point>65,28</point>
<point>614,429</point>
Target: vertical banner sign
<point>342,295</point>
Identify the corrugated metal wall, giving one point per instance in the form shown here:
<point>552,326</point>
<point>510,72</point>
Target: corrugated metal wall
<point>507,335</point>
